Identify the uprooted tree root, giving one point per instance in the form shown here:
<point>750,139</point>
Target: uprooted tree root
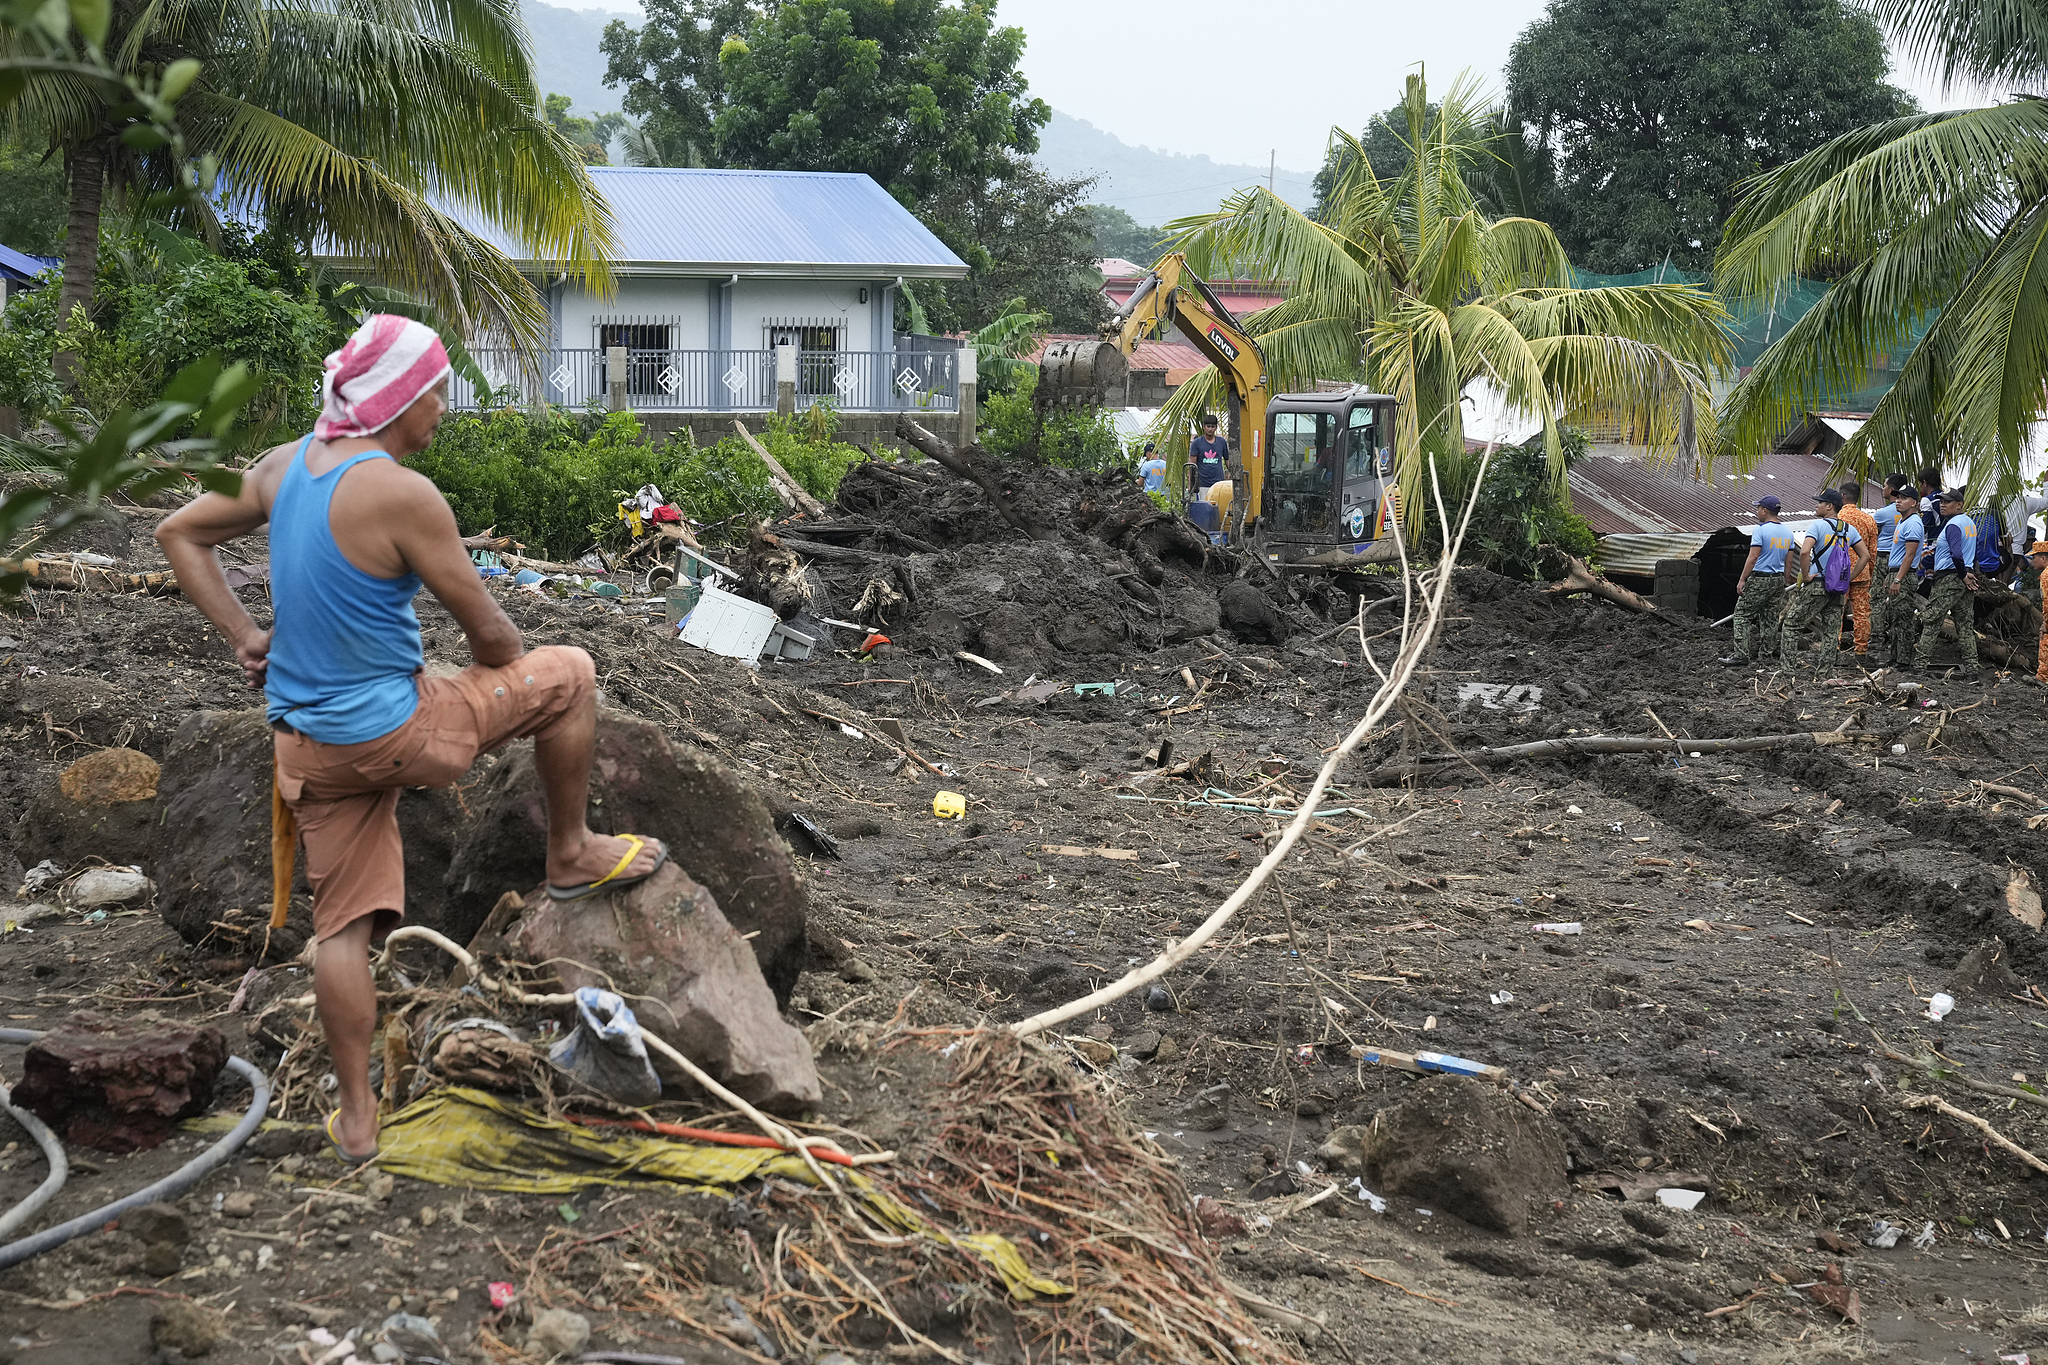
<point>1021,1146</point>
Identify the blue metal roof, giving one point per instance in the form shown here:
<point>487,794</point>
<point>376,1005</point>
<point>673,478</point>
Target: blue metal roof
<point>687,221</point>
<point>19,265</point>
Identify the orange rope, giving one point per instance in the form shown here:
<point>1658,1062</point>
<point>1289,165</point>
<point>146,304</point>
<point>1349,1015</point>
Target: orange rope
<point>677,1130</point>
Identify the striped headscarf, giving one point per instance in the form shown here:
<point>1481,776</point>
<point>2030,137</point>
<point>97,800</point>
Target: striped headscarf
<point>381,372</point>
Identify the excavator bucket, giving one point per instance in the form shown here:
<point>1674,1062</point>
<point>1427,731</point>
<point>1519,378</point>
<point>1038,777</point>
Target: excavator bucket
<point>1083,374</point>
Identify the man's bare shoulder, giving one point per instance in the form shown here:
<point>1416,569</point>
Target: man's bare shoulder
<point>402,492</point>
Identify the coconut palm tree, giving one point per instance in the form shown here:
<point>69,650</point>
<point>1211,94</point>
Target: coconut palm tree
<point>365,126</point>
<point>1405,285</point>
<point>1935,221</point>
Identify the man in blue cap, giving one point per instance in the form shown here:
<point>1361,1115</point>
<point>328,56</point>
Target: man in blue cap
<point>1953,591</point>
<point>1760,588</point>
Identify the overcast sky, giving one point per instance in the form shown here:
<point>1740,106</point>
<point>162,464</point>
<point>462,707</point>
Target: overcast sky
<point>1240,81</point>
<point>1284,70</point>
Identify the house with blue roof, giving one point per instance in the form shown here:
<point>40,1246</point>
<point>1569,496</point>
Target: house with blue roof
<point>717,271</point>
<point>19,271</point>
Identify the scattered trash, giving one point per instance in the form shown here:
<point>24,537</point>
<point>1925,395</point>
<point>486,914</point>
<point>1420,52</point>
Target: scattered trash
<point>501,1294</point>
<point>979,662</point>
<point>1940,1005</point>
<point>1565,927</point>
<point>44,874</point>
<point>1427,1061</point>
<point>1672,1198</point>
<point>824,842</point>
<point>949,805</point>
<point>849,730</point>
<point>1501,998</point>
<point>1106,689</point>
<point>1924,1238</point>
<point>1898,750</point>
<point>1518,697</point>
<point>1884,1236</point>
<point>874,642</point>
<point>728,624</point>
<point>605,1051</point>
<point>1573,810</point>
<point>1366,1196</point>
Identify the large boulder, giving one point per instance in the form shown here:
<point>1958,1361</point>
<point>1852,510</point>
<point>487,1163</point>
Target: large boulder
<point>716,825</point>
<point>103,806</point>
<point>690,978</point>
<point>120,1085</point>
<point>213,847</point>
<point>1463,1147</point>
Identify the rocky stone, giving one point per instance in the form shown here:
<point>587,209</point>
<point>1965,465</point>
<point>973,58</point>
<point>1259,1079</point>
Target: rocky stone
<point>103,806</point>
<point>1463,1147</point>
<point>184,1326</point>
<point>717,827</point>
<point>1144,1044</point>
<point>161,1260</point>
<point>1250,614</point>
<point>1206,1110</point>
<point>558,1332</point>
<point>107,887</point>
<point>157,1225</point>
<point>693,980</point>
<point>240,1204</point>
<point>120,1085</point>
<point>213,850</point>
<point>1344,1149</point>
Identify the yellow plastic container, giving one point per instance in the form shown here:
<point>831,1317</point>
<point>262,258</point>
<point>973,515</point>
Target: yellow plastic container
<point>949,805</point>
<point>1222,493</point>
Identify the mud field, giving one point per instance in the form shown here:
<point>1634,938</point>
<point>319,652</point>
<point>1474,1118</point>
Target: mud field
<point>1760,935</point>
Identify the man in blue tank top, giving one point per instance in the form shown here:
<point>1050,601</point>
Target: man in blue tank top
<point>354,536</point>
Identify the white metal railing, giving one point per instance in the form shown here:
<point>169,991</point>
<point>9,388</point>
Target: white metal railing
<point>720,381</point>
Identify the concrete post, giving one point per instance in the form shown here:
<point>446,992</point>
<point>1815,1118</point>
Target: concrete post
<point>785,380</point>
<point>969,381</point>
<point>615,378</point>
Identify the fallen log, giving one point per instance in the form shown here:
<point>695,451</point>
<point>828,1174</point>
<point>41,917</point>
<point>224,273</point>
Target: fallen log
<point>1610,744</point>
<point>789,489</point>
<point>1579,577</point>
<point>65,573</point>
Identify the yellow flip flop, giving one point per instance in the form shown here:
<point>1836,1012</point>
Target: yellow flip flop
<point>335,1142</point>
<point>612,881</point>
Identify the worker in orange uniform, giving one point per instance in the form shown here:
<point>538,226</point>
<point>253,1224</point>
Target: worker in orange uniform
<point>1859,586</point>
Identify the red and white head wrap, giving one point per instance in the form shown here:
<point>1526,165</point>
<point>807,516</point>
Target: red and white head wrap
<point>381,372</point>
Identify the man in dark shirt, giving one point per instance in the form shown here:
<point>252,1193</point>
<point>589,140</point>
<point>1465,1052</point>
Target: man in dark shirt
<point>1208,456</point>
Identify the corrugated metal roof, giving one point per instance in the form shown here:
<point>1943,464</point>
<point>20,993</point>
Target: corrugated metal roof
<point>1622,496</point>
<point>1638,554</point>
<point>21,265</point>
<point>688,221</point>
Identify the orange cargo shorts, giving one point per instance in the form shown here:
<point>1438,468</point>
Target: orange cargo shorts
<point>346,795</point>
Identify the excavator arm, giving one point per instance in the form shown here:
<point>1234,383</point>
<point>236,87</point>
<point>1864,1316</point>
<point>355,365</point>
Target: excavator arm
<point>1172,294</point>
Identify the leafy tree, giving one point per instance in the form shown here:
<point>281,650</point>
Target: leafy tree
<point>362,124</point>
<point>1118,234</point>
<point>1407,287</point>
<point>1026,233</point>
<point>920,94</point>
<point>1940,217</point>
<point>1069,438</point>
<point>1381,142</point>
<point>33,195</point>
<point>669,69</point>
<point>589,136</point>
<point>1655,110</point>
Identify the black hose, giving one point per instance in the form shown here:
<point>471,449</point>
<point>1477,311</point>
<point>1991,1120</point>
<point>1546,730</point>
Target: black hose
<point>172,1185</point>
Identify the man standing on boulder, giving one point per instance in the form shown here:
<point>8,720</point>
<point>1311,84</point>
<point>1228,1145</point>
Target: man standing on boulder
<point>354,535</point>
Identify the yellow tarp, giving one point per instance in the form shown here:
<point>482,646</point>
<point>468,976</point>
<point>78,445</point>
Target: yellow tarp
<point>474,1139</point>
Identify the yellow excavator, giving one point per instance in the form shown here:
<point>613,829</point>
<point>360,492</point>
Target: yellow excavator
<point>1311,473</point>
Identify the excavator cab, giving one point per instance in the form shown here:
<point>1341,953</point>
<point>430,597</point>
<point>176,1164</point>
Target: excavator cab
<point>1329,493</point>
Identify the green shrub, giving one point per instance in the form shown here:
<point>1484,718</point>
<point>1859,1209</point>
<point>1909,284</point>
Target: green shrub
<point>1073,438</point>
<point>554,479</point>
<point>1521,508</point>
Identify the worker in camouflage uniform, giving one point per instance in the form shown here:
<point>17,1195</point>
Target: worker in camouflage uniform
<point>1808,598</point>
<point>1953,593</point>
<point>1897,605</point>
<point>1760,588</point>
